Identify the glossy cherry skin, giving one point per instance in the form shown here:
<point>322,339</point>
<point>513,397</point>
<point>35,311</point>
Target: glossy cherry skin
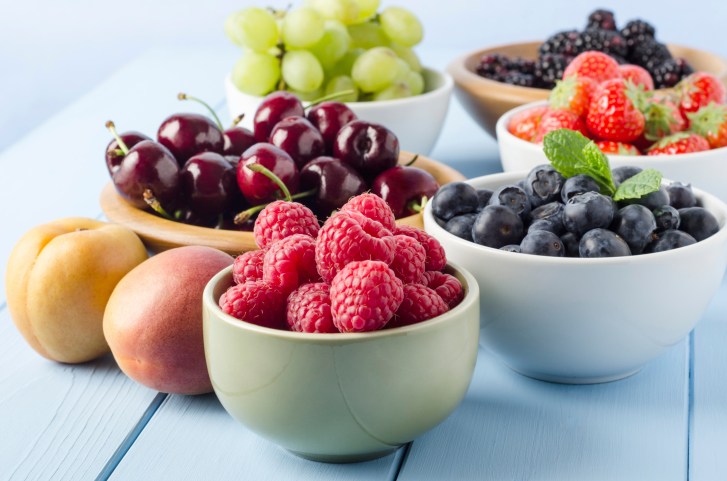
<point>402,186</point>
<point>367,147</point>
<point>208,185</point>
<point>328,118</point>
<point>186,135</point>
<point>274,108</point>
<point>113,155</point>
<point>237,140</point>
<point>336,183</point>
<point>148,165</point>
<point>257,188</point>
<point>299,138</point>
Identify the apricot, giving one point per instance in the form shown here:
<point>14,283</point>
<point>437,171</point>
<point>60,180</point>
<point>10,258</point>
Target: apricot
<point>153,320</point>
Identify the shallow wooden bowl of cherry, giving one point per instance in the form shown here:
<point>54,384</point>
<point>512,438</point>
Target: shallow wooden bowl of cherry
<point>160,234</point>
<point>486,100</point>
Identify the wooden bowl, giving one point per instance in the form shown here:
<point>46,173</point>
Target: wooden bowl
<point>486,100</point>
<point>160,234</point>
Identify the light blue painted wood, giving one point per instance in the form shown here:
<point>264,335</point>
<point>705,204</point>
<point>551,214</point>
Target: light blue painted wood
<point>510,427</point>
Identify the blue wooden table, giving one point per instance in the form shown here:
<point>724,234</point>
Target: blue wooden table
<point>668,422</point>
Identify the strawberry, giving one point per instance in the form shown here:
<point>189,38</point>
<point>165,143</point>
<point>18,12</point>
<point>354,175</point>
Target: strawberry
<point>595,65</point>
<point>679,143</point>
<point>617,148</point>
<point>612,114</point>
<point>524,124</point>
<point>638,75</point>
<point>572,93</point>
<point>559,119</point>
<point>663,118</point>
<point>698,90</point>
<point>710,122</point>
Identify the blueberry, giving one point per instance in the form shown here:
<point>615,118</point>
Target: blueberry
<point>497,226</point>
<point>511,248</point>
<point>670,239</point>
<point>552,210</point>
<point>543,184</point>
<point>652,200</point>
<point>578,184</point>
<point>461,225</point>
<point>551,225</point>
<point>667,217</point>
<point>587,211</point>
<point>602,243</point>
<point>453,199</point>
<point>542,243</point>
<point>483,196</point>
<point>570,242</point>
<point>512,197</point>
<point>635,223</point>
<point>681,195</point>
<point>619,174</point>
<point>698,222</point>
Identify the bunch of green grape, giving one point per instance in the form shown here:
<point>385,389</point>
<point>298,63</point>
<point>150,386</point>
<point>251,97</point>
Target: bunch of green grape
<point>328,46</point>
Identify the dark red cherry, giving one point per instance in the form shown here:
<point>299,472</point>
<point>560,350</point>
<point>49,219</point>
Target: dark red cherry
<point>404,189</point>
<point>367,147</point>
<point>336,183</point>
<point>114,153</point>
<point>274,108</point>
<point>299,138</point>
<point>237,140</point>
<point>328,118</point>
<point>257,188</point>
<point>189,134</point>
<point>208,185</point>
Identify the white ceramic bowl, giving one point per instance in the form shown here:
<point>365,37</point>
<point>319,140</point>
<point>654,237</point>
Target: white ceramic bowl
<point>705,170</point>
<point>416,121</point>
<point>341,397</point>
<point>587,320</point>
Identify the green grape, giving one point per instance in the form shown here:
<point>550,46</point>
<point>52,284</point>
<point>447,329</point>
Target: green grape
<point>408,55</point>
<point>341,84</point>
<point>256,73</point>
<point>375,69</point>
<point>401,26</point>
<point>366,9</point>
<point>345,11</point>
<point>345,65</point>
<point>397,90</point>
<point>402,70</point>
<point>367,35</point>
<point>302,28</point>
<point>415,81</point>
<point>333,45</point>
<point>308,96</point>
<point>254,28</point>
<point>302,71</point>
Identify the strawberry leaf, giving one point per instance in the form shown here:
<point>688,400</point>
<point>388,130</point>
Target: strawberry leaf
<point>571,153</point>
<point>641,184</point>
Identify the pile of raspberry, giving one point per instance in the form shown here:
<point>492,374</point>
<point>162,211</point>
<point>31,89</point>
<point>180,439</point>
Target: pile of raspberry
<point>359,272</point>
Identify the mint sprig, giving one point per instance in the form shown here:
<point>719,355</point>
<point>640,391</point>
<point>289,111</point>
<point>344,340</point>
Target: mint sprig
<point>645,182</point>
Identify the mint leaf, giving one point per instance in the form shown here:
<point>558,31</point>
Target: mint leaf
<point>594,163</point>
<point>645,182</point>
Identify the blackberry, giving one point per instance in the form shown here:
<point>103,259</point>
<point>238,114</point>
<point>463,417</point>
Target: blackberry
<point>522,65</point>
<point>669,73</point>
<point>550,67</point>
<point>562,43</point>
<point>606,41</point>
<point>518,78</point>
<point>637,29</point>
<point>493,66</point>
<point>601,19</point>
<point>649,54</point>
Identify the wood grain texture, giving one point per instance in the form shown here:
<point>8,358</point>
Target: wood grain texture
<point>511,427</point>
<point>193,438</point>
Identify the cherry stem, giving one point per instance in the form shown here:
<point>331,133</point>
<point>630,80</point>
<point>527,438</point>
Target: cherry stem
<point>408,164</point>
<point>154,203</point>
<point>261,169</point>
<point>122,145</point>
<point>417,206</point>
<point>328,97</point>
<point>245,215</point>
<point>183,96</point>
<point>237,120</point>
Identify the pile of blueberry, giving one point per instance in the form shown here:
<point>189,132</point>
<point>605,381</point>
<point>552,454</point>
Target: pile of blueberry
<point>548,214</point>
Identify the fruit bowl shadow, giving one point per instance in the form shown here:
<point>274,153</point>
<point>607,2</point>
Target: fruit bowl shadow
<point>159,234</point>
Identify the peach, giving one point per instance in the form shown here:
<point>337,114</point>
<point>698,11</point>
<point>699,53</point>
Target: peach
<point>153,321</point>
<point>60,276</point>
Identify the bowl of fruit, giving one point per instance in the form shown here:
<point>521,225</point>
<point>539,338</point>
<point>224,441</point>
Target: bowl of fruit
<point>354,54</point>
<point>344,342</point>
<point>199,184</point>
<point>680,132</point>
<point>585,273</point>
<point>494,80</point>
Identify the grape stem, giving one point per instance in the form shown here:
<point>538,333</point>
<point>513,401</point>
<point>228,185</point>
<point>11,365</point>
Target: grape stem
<point>411,162</point>
<point>122,145</point>
<point>154,203</point>
<point>245,215</point>
<point>183,96</point>
<point>261,169</point>
<point>328,97</point>
<point>417,206</point>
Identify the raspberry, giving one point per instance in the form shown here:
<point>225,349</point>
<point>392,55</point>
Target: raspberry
<point>373,207</point>
<point>248,266</point>
<point>409,259</point>
<point>309,308</point>
<point>448,287</point>
<point>420,303</point>
<point>436,258</point>
<point>350,236</point>
<point>291,262</point>
<point>364,296</point>
<point>256,302</point>
<point>282,219</point>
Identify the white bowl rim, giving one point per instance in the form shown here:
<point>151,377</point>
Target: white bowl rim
<point>470,287</point>
<point>511,177</point>
<point>501,129</point>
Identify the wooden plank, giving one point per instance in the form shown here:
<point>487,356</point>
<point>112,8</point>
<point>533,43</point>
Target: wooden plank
<point>511,427</point>
<point>192,438</point>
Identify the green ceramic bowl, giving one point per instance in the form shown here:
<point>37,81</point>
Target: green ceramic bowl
<point>341,397</point>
